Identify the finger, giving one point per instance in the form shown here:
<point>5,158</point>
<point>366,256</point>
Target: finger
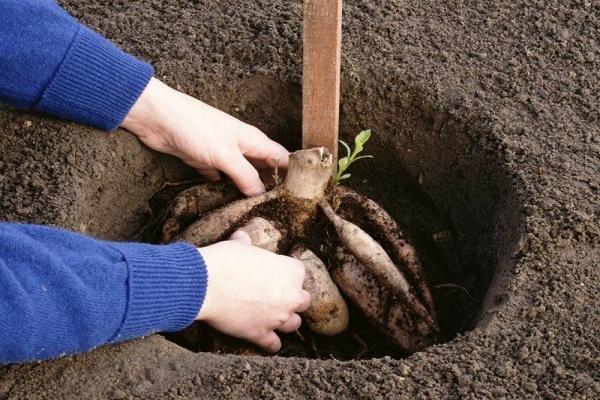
<point>243,174</point>
<point>269,343</point>
<point>304,303</point>
<point>241,237</point>
<point>291,324</point>
<point>260,147</point>
<point>210,173</point>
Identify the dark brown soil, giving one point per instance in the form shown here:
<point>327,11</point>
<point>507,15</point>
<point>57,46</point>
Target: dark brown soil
<point>485,115</point>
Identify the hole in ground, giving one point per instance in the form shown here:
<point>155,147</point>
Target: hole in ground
<point>433,172</point>
<point>361,339</point>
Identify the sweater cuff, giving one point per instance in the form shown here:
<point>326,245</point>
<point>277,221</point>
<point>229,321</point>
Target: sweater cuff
<point>166,288</point>
<point>96,84</point>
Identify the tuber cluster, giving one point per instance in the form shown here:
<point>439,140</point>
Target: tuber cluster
<point>362,258</point>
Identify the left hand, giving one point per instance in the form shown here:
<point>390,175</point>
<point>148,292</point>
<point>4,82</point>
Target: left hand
<point>205,138</point>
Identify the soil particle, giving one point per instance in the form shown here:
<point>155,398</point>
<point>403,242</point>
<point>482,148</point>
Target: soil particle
<point>487,111</point>
<point>118,394</point>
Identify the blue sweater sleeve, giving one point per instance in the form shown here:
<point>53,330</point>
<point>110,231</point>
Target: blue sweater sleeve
<point>51,63</point>
<point>63,293</point>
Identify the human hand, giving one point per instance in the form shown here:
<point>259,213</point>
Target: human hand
<point>203,137</point>
<point>252,292</point>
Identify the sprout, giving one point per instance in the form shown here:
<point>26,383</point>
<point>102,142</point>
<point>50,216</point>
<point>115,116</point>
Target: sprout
<point>351,156</point>
<point>276,178</point>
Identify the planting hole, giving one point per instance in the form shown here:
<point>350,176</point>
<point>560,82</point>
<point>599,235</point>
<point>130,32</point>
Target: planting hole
<point>449,195</point>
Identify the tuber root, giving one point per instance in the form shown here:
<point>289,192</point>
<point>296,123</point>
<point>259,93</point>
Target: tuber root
<point>214,226</point>
<point>374,258</point>
<point>263,234</point>
<point>390,237</point>
<point>328,313</point>
<point>192,202</point>
<point>379,304</point>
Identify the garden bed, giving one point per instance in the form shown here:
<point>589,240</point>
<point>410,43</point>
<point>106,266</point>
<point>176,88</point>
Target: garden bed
<point>492,173</point>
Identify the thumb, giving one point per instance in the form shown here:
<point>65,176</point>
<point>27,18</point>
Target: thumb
<point>243,174</point>
<point>241,237</point>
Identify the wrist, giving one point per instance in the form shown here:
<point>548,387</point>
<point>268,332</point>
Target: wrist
<point>144,117</point>
<point>166,287</point>
<point>207,307</point>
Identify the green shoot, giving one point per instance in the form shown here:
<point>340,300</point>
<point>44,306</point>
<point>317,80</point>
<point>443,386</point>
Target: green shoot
<point>276,178</point>
<point>351,156</point>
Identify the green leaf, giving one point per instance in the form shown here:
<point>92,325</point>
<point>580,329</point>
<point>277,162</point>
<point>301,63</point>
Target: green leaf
<point>348,151</point>
<point>342,164</point>
<point>352,156</point>
<point>360,140</point>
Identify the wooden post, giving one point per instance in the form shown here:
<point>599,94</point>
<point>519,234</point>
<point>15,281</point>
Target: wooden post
<point>321,74</point>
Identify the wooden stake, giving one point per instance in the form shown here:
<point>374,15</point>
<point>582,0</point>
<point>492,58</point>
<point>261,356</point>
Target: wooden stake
<point>321,75</point>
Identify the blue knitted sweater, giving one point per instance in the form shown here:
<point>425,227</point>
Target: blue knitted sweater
<point>61,292</point>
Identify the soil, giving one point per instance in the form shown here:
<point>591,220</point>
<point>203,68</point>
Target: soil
<point>485,115</point>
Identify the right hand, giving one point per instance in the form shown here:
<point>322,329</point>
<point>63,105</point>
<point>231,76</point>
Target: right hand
<point>252,292</point>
